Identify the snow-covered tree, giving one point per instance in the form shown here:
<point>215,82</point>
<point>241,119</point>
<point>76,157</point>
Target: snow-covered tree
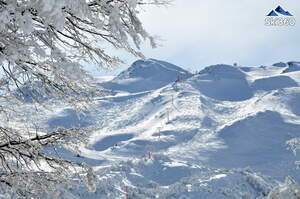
<point>43,45</point>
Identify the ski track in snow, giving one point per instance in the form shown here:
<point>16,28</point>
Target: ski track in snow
<point>194,140</point>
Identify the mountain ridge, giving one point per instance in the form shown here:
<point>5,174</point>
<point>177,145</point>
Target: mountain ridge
<point>196,138</point>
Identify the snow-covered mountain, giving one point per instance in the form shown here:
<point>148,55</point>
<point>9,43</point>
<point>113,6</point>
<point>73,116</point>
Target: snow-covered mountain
<point>217,134</point>
<point>146,75</point>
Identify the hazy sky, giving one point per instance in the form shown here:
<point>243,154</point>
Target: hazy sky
<point>198,33</point>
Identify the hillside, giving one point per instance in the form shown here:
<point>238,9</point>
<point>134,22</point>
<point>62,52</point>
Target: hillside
<point>218,134</point>
<point>146,75</point>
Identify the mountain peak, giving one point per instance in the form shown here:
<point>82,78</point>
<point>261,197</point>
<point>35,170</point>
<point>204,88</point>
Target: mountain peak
<point>223,70</point>
<point>145,75</point>
<point>153,69</point>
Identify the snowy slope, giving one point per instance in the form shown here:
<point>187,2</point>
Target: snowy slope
<point>146,75</point>
<point>217,134</point>
<point>218,81</point>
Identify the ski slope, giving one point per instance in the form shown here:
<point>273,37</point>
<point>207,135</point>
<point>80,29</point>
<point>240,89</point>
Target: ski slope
<point>218,134</point>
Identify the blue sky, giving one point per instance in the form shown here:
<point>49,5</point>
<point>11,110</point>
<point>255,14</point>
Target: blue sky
<point>195,33</point>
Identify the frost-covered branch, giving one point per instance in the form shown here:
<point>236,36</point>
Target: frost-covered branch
<point>24,157</point>
<point>43,47</point>
<point>52,39</point>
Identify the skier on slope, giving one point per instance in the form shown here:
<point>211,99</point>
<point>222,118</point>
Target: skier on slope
<point>176,82</point>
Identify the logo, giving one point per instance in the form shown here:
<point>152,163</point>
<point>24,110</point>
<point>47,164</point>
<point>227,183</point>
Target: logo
<point>280,17</point>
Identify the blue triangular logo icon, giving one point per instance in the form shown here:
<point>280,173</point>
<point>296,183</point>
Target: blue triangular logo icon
<point>279,10</point>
